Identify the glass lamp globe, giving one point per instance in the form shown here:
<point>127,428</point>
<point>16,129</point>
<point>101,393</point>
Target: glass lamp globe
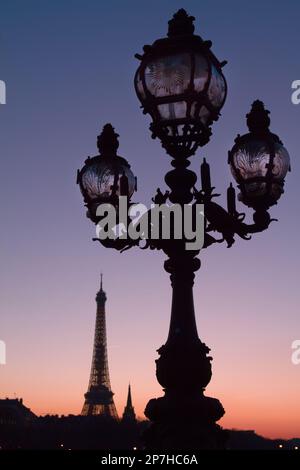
<point>107,176</point>
<point>180,84</point>
<point>259,162</point>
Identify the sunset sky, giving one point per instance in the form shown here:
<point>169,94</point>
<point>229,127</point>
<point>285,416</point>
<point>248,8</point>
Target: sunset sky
<point>68,67</point>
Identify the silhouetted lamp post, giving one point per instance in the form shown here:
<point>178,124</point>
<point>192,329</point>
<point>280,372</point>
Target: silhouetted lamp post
<point>181,85</point>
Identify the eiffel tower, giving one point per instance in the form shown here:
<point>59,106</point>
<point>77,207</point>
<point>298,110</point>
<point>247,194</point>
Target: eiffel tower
<point>99,397</point>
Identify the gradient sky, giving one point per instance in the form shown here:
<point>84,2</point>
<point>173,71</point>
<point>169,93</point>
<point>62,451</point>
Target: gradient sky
<point>68,66</point>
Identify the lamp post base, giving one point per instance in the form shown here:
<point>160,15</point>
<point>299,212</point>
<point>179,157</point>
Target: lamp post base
<point>184,418</point>
<point>186,422</point>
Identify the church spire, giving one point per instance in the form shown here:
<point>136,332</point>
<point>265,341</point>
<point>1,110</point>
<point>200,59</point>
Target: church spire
<point>129,414</point>
<point>129,399</point>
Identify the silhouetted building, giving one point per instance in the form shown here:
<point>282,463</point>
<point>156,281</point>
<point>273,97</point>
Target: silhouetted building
<point>129,414</point>
<point>99,397</point>
<point>249,440</point>
<point>22,429</point>
<point>12,411</point>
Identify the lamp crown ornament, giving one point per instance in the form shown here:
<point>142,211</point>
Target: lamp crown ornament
<point>107,141</point>
<point>181,24</point>
<point>258,119</point>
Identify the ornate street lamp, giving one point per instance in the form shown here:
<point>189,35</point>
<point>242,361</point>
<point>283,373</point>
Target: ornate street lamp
<point>106,176</point>
<point>181,85</point>
<point>259,162</point>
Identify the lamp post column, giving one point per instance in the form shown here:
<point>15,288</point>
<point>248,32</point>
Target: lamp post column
<point>183,417</point>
